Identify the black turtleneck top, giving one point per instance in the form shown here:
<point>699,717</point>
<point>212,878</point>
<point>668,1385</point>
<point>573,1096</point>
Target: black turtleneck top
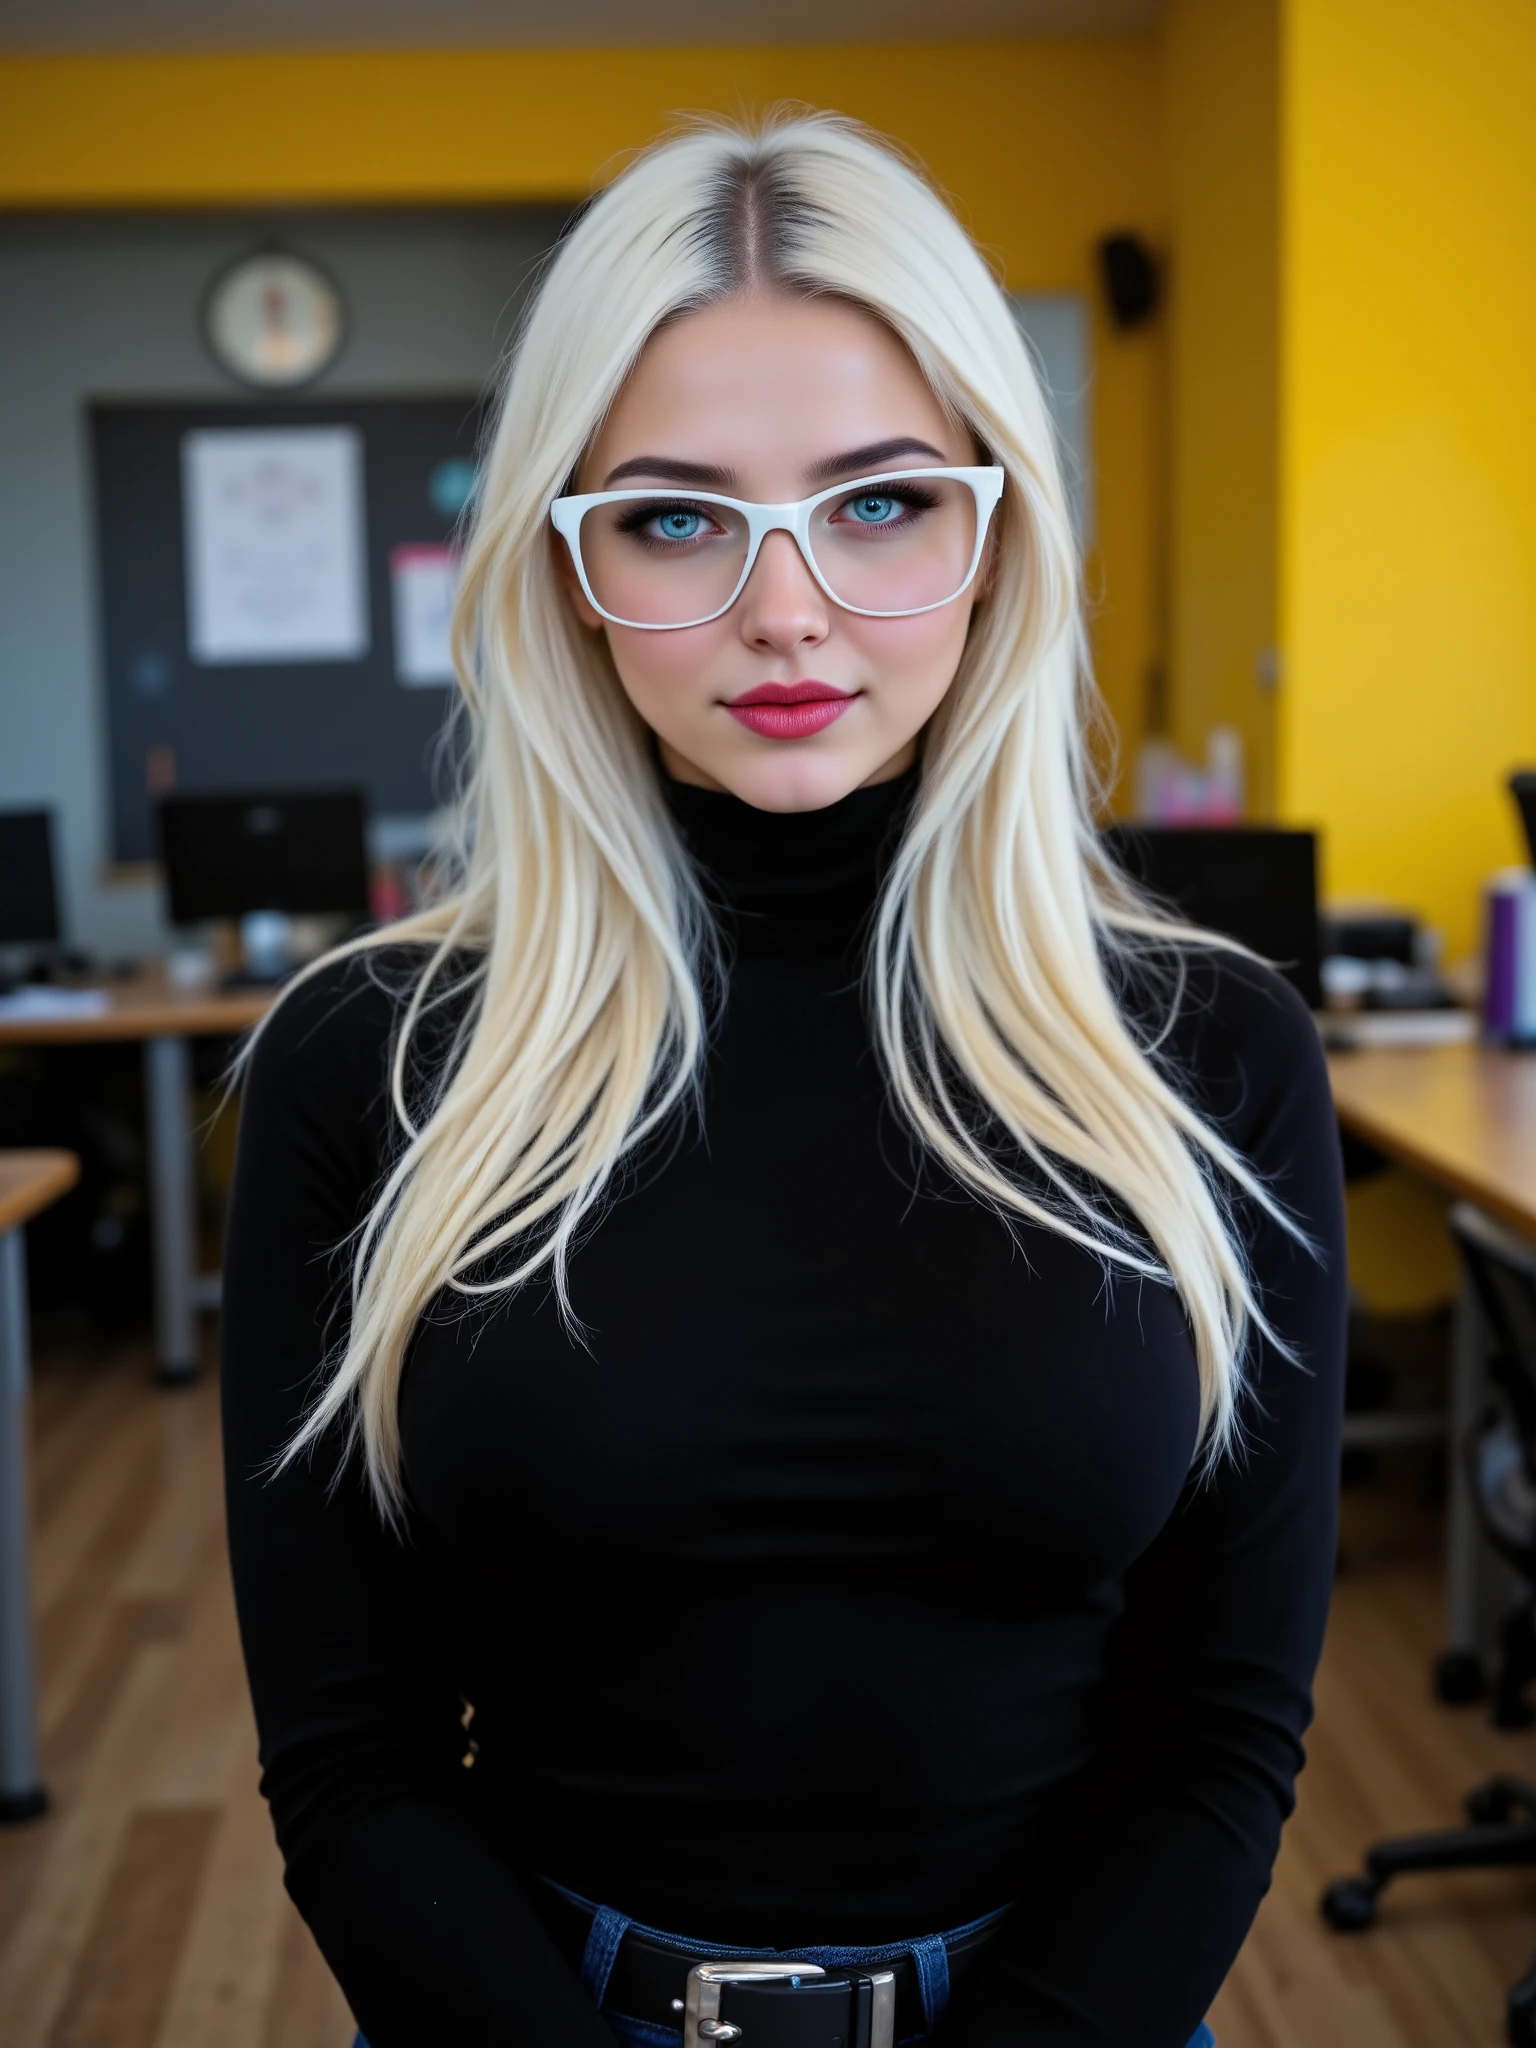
<point>852,1576</point>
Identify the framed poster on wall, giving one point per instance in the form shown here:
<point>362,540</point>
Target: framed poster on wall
<point>254,628</point>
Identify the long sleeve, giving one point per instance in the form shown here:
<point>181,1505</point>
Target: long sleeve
<point>422,1918</point>
<point>1211,1666</point>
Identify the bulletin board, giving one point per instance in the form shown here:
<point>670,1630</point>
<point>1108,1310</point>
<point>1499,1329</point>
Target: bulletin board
<point>274,581</point>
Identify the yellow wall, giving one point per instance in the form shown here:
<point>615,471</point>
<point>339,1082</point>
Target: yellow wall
<point>1221,84</point>
<point>1408,522</point>
<point>1402,1258</point>
<point>1044,145</point>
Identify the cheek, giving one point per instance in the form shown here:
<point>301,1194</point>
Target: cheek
<point>662,669</point>
<point>911,659</point>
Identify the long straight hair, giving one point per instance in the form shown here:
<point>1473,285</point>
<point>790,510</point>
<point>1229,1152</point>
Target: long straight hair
<point>575,940</point>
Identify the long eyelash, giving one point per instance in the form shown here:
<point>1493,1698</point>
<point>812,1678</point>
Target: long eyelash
<point>916,496</point>
<point>656,508</point>
<point>911,497</point>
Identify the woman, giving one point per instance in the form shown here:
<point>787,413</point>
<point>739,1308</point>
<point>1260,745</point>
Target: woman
<point>806,1466</point>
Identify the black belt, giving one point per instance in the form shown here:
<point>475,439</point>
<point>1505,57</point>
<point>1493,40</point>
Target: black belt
<point>710,1999</point>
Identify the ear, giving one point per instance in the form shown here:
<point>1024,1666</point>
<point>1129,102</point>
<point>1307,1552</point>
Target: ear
<point>570,582</point>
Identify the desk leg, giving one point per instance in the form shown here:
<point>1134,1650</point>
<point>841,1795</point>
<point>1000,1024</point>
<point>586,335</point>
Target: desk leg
<point>21,1790</point>
<point>167,1095</point>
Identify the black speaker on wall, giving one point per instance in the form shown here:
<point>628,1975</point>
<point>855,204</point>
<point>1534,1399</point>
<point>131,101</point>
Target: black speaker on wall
<point>1131,279</point>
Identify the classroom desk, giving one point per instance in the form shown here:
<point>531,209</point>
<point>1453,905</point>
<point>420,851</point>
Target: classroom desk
<point>29,1181</point>
<point>162,1018</point>
<point>1464,1116</point>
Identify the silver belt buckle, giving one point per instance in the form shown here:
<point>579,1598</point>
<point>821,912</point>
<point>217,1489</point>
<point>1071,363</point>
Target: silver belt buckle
<point>704,2028</point>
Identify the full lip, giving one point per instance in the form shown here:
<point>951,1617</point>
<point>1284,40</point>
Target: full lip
<point>790,711</point>
<point>807,692</point>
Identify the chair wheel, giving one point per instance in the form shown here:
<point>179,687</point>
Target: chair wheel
<point>1349,1904</point>
<point>1458,1679</point>
<point>1489,1806</point>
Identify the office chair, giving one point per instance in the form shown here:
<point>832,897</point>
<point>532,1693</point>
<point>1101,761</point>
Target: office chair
<point>1501,1815</point>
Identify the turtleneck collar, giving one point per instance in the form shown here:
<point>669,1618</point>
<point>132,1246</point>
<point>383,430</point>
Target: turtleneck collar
<point>793,881</point>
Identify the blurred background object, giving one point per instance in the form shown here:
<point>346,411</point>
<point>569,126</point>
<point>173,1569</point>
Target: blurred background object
<point>1509,983</point>
<point>1171,791</point>
<point>1256,884</point>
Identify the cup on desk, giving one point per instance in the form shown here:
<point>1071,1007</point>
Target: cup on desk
<point>191,968</point>
<point>266,943</point>
<point>1509,997</point>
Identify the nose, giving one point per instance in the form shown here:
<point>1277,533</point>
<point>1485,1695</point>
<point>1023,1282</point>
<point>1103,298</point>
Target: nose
<point>783,608</point>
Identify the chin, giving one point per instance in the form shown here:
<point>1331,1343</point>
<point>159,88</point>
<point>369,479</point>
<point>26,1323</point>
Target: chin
<point>794,780</point>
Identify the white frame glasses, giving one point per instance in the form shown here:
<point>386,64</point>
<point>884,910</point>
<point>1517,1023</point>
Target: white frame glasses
<point>986,487</point>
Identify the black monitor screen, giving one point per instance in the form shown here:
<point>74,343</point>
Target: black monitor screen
<point>1523,788</point>
<point>303,851</point>
<point>29,908</point>
<point>1256,884</point>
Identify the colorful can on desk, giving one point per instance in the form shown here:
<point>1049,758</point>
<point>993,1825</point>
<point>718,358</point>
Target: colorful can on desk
<point>1509,998</point>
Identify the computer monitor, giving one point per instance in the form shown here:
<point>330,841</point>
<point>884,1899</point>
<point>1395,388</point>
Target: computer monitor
<point>1256,884</point>
<point>29,904</point>
<point>300,850</point>
<point>1522,786</point>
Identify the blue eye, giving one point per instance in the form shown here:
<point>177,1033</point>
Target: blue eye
<point>678,524</point>
<point>873,510</point>
<point>663,525</point>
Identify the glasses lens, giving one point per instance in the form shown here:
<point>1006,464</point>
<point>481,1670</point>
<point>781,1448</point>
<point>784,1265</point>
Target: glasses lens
<point>662,561</point>
<point>896,545</point>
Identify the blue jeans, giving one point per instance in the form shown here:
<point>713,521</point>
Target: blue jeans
<point>929,1953</point>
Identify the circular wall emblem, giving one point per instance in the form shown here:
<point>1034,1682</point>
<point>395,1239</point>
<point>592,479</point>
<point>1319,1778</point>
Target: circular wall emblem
<point>274,320</point>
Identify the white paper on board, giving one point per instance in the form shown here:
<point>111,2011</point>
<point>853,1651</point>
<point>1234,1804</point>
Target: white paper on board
<point>424,580</point>
<point>275,545</point>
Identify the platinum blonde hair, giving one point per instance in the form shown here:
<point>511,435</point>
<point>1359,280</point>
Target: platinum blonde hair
<point>1002,931</point>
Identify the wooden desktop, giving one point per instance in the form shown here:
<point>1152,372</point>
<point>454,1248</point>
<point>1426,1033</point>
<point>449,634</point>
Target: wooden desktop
<point>142,1006</point>
<point>1462,1115</point>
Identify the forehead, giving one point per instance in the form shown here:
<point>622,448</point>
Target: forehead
<point>768,386</point>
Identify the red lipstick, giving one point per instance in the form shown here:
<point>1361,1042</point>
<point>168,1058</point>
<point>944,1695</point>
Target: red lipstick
<point>789,711</point>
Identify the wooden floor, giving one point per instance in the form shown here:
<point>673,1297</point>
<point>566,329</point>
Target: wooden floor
<point>147,1910</point>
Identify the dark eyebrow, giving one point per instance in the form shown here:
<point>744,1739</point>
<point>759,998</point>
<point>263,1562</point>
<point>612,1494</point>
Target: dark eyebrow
<point>706,475</point>
<point>861,461</point>
<point>709,476</point>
